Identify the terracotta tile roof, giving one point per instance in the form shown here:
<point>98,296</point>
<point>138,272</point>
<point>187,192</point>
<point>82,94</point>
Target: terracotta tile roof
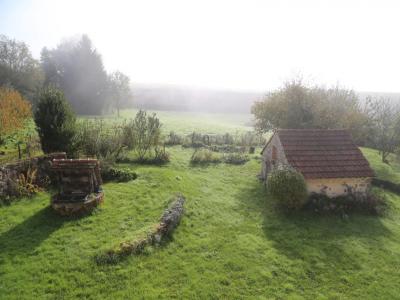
<point>320,153</point>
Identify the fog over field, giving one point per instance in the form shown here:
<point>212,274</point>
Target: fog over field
<point>183,98</point>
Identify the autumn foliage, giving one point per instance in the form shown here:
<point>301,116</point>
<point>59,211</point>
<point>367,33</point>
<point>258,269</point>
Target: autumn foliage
<point>14,110</point>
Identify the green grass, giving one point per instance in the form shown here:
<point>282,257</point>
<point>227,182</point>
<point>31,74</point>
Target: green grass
<point>389,171</point>
<point>9,148</point>
<point>187,122</point>
<point>232,243</point>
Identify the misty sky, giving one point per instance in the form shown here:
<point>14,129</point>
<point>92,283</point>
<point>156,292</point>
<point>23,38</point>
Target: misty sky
<point>247,45</point>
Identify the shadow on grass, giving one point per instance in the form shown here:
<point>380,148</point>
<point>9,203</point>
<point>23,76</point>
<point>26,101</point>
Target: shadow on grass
<point>311,237</point>
<point>25,237</point>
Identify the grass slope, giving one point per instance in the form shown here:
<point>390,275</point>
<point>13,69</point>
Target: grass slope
<point>389,172</point>
<point>232,243</point>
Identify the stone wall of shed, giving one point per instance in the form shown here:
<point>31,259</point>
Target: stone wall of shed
<point>334,187</point>
<point>267,155</point>
<point>9,173</point>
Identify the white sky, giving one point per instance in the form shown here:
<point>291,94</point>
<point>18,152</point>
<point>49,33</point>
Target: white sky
<point>247,45</point>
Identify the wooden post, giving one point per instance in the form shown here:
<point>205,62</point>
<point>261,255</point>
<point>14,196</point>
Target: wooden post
<point>19,150</point>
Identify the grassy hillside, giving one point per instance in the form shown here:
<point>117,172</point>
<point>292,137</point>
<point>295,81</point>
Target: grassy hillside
<point>389,171</point>
<point>232,243</point>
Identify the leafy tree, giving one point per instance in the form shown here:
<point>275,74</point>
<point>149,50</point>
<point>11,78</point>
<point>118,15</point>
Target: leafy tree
<point>120,91</point>
<point>14,111</point>
<point>385,132</point>
<point>18,69</point>
<point>55,122</point>
<point>296,105</point>
<point>76,68</point>
<point>288,187</point>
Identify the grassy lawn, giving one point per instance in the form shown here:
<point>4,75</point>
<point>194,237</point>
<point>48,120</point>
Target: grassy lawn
<point>389,172</point>
<point>232,243</point>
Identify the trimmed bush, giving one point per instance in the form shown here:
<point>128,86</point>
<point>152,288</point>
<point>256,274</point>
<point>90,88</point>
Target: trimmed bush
<point>55,122</point>
<point>205,156</point>
<point>288,187</point>
<point>119,175</point>
<point>235,158</point>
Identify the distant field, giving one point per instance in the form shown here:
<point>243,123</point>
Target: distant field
<point>187,122</point>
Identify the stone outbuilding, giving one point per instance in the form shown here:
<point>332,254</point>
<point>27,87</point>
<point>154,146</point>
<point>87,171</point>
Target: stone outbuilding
<point>328,159</point>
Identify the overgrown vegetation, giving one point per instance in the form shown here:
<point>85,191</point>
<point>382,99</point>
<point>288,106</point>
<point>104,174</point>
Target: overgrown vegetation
<point>288,187</point>
<point>370,203</point>
<point>14,112</point>
<point>24,186</point>
<point>100,140</point>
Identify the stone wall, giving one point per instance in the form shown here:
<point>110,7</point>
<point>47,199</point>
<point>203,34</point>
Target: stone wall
<point>168,222</point>
<point>9,173</point>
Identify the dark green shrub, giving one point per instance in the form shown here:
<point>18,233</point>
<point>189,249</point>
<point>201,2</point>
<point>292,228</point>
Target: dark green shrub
<point>288,187</point>
<point>55,122</point>
<point>205,156</point>
<point>119,175</point>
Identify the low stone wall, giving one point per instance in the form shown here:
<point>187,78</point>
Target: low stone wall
<point>9,173</point>
<point>168,222</point>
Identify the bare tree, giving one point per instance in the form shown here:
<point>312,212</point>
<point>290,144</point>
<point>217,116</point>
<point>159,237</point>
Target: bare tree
<point>385,117</point>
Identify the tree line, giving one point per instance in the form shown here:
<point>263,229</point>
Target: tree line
<point>74,66</point>
<point>374,122</point>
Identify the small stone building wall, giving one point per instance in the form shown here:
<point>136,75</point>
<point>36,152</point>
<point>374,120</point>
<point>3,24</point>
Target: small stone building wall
<point>9,173</point>
<point>267,161</point>
<point>334,187</point>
